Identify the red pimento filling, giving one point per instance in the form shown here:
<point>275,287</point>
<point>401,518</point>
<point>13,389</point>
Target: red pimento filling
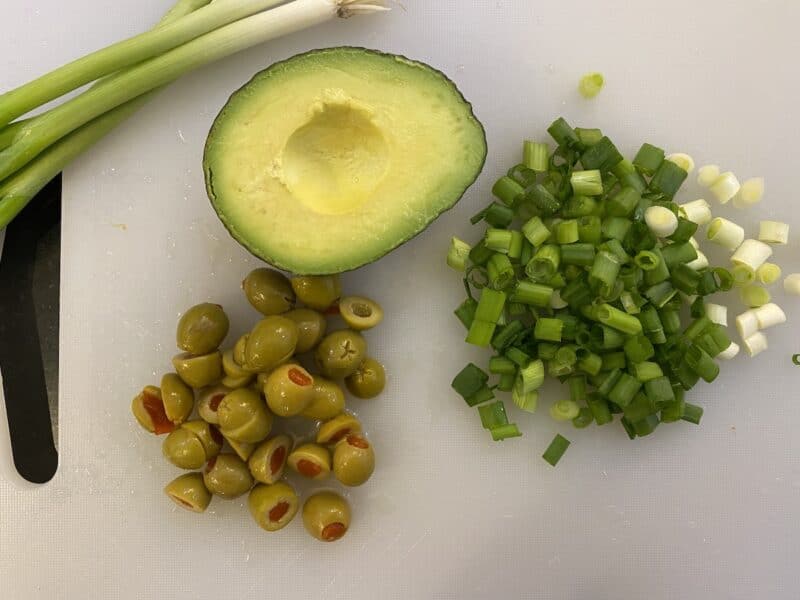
<point>158,416</point>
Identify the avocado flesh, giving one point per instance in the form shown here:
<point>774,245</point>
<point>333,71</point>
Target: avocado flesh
<point>329,160</point>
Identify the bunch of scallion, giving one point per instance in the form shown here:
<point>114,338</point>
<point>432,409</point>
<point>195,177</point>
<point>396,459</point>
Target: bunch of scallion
<point>192,34</point>
<point>588,272</point>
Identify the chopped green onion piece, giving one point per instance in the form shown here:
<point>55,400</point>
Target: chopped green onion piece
<point>457,254</point>
<point>586,183</point>
<point>500,272</point>
<point>547,350</point>
<point>773,232</point>
<point>588,361</point>
<point>651,324</point>
<point>725,187</point>
<point>639,408</point>
<point>668,178</point>
<point>490,305</point>
<point>518,357</point>
<point>685,279</point>
<point>515,247</point>
<point>599,407</point>
<point>645,371</point>
<point>623,203</point>
<point>466,312</point>
<point>605,268</point>
<point>564,410</point>
<point>606,338</point>
<point>507,334</point>
<point>590,229</point>
<point>498,240</point>
<point>648,159</point>
<point>498,215</point>
<point>484,394</point>
<point>556,449</point>
<point>614,360</point>
<point>588,137</point>
<point>603,156</point>
<point>532,376</point>
<point>563,134</point>
<point>616,228</point>
<point>743,275</point>
<point>584,418</point>
<point>674,254</point>
<point>590,85</point>
<point>542,199</point>
<point>725,233</point>
<point>505,432</point>
<point>660,293</point>
<point>684,232</point>
<point>469,380</point>
<point>535,156</point>
<point>507,190</point>
<point>673,411</point>
<point>644,427</point>
<point>638,348</point>
<point>699,326</point>
<point>527,401</point>
<point>624,389</point>
<point>500,365</point>
<point>566,355</point>
<point>534,294</point>
<point>577,387</point>
<point>535,231</point>
<point>659,390</point>
<point>692,413</point>
<point>548,329</point>
<point>609,380</point>
<point>506,382</point>
<point>616,319</point>
<point>578,254</point>
<point>567,232</point>
<point>480,332</point>
<point>647,260</point>
<point>480,254</point>
<point>701,363</point>
<point>493,415</point>
<point>724,278</point>
<point>768,273</point>
<point>697,211</point>
<point>754,296</point>
<point>544,264</point>
<point>579,206</point>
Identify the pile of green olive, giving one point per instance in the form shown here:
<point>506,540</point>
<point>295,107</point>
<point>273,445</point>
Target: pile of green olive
<point>241,395</point>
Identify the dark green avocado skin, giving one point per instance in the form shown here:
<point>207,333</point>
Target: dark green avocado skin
<point>209,176</point>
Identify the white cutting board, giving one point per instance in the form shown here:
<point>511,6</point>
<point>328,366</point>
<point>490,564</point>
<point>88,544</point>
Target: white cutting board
<point>708,512</point>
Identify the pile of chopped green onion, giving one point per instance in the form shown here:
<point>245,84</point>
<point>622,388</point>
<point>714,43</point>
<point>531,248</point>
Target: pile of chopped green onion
<point>588,272</point>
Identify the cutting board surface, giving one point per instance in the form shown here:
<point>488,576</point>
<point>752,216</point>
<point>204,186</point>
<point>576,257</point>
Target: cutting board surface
<point>691,512</point>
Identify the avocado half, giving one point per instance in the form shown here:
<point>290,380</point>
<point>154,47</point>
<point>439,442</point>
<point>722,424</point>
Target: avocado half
<point>326,161</point>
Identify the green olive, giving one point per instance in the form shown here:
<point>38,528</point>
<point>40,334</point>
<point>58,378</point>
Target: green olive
<point>273,506</point>
<point>202,329</point>
<point>360,313</point>
<point>227,476</point>
<point>178,398</point>
<point>243,416</point>
<point>340,353</point>
<point>239,350</point>
<point>269,459</point>
<point>243,450</point>
<point>208,403</point>
<point>191,445</point>
<point>326,402</point>
<point>208,434</point>
<point>199,371</point>
<point>272,341</point>
<point>331,432</point>
<point>188,491</point>
<point>368,381</point>
<point>310,460</point>
<point>289,390</point>
<point>148,408</point>
<point>317,292</point>
<point>326,516</point>
<point>311,327</point>
<point>353,460</point>
<point>235,375</point>
<point>268,291</point>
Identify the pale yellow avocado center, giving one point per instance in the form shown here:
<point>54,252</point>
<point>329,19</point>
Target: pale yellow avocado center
<point>334,162</point>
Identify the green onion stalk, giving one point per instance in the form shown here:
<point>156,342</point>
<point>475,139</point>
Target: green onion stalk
<point>194,33</point>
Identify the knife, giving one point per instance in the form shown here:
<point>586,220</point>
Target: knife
<point>29,312</point>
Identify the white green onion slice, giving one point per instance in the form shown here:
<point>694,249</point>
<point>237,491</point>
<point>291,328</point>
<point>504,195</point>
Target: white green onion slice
<point>725,187</point>
<point>752,253</point>
<point>725,233</point>
<point>773,232</point>
<point>707,175</point>
<point>751,192</point>
<point>769,315</point>
<point>791,284</point>
<point>756,344</point>
<point>684,161</point>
